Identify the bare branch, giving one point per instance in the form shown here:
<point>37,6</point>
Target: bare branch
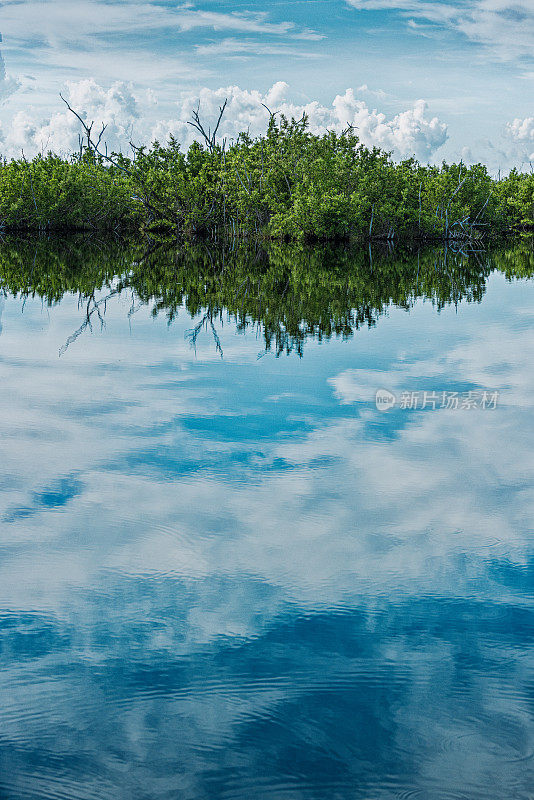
<point>209,138</point>
<point>100,137</point>
<point>272,114</point>
<point>222,109</point>
<point>95,146</point>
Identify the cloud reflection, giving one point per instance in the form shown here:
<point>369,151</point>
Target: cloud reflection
<point>330,602</point>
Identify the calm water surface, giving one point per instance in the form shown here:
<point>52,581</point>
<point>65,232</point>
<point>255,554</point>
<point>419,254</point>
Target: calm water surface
<point>234,577</point>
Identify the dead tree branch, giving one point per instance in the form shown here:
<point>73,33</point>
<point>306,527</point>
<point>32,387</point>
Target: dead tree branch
<point>92,145</point>
<point>209,138</point>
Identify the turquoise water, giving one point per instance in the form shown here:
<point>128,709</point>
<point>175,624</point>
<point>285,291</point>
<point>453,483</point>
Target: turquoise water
<point>225,574</point>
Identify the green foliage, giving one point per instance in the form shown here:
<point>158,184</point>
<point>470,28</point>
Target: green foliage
<point>52,193</point>
<point>516,194</point>
<point>288,184</point>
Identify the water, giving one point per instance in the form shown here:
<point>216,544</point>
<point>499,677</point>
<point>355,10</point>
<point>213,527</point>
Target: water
<point>234,577</point>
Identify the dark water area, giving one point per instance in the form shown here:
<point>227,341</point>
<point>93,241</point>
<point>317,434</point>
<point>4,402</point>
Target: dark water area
<point>225,571</point>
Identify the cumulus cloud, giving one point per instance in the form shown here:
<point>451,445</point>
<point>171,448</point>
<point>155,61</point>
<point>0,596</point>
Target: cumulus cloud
<point>411,132</point>
<point>521,131</point>
<point>116,108</point>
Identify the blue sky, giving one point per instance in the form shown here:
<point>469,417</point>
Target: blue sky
<point>471,62</point>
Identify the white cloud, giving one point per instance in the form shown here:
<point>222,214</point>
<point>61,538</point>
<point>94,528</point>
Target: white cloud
<point>56,21</point>
<point>148,39</point>
<point>130,113</point>
<point>8,84</point>
<point>116,107</point>
<point>231,47</point>
<point>112,40</point>
<point>365,90</point>
<point>521,131</point>
<point>506,26</point>
<point>409,133</point>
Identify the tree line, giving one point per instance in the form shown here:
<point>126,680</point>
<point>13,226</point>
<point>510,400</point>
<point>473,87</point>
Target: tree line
<point>287,184</point>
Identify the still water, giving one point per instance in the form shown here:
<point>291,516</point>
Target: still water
<point>224,573</point>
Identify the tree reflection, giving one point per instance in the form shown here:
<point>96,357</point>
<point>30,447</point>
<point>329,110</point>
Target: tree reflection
<point>287,293</point>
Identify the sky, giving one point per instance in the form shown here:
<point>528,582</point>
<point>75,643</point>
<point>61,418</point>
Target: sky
<point>436,79</point>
